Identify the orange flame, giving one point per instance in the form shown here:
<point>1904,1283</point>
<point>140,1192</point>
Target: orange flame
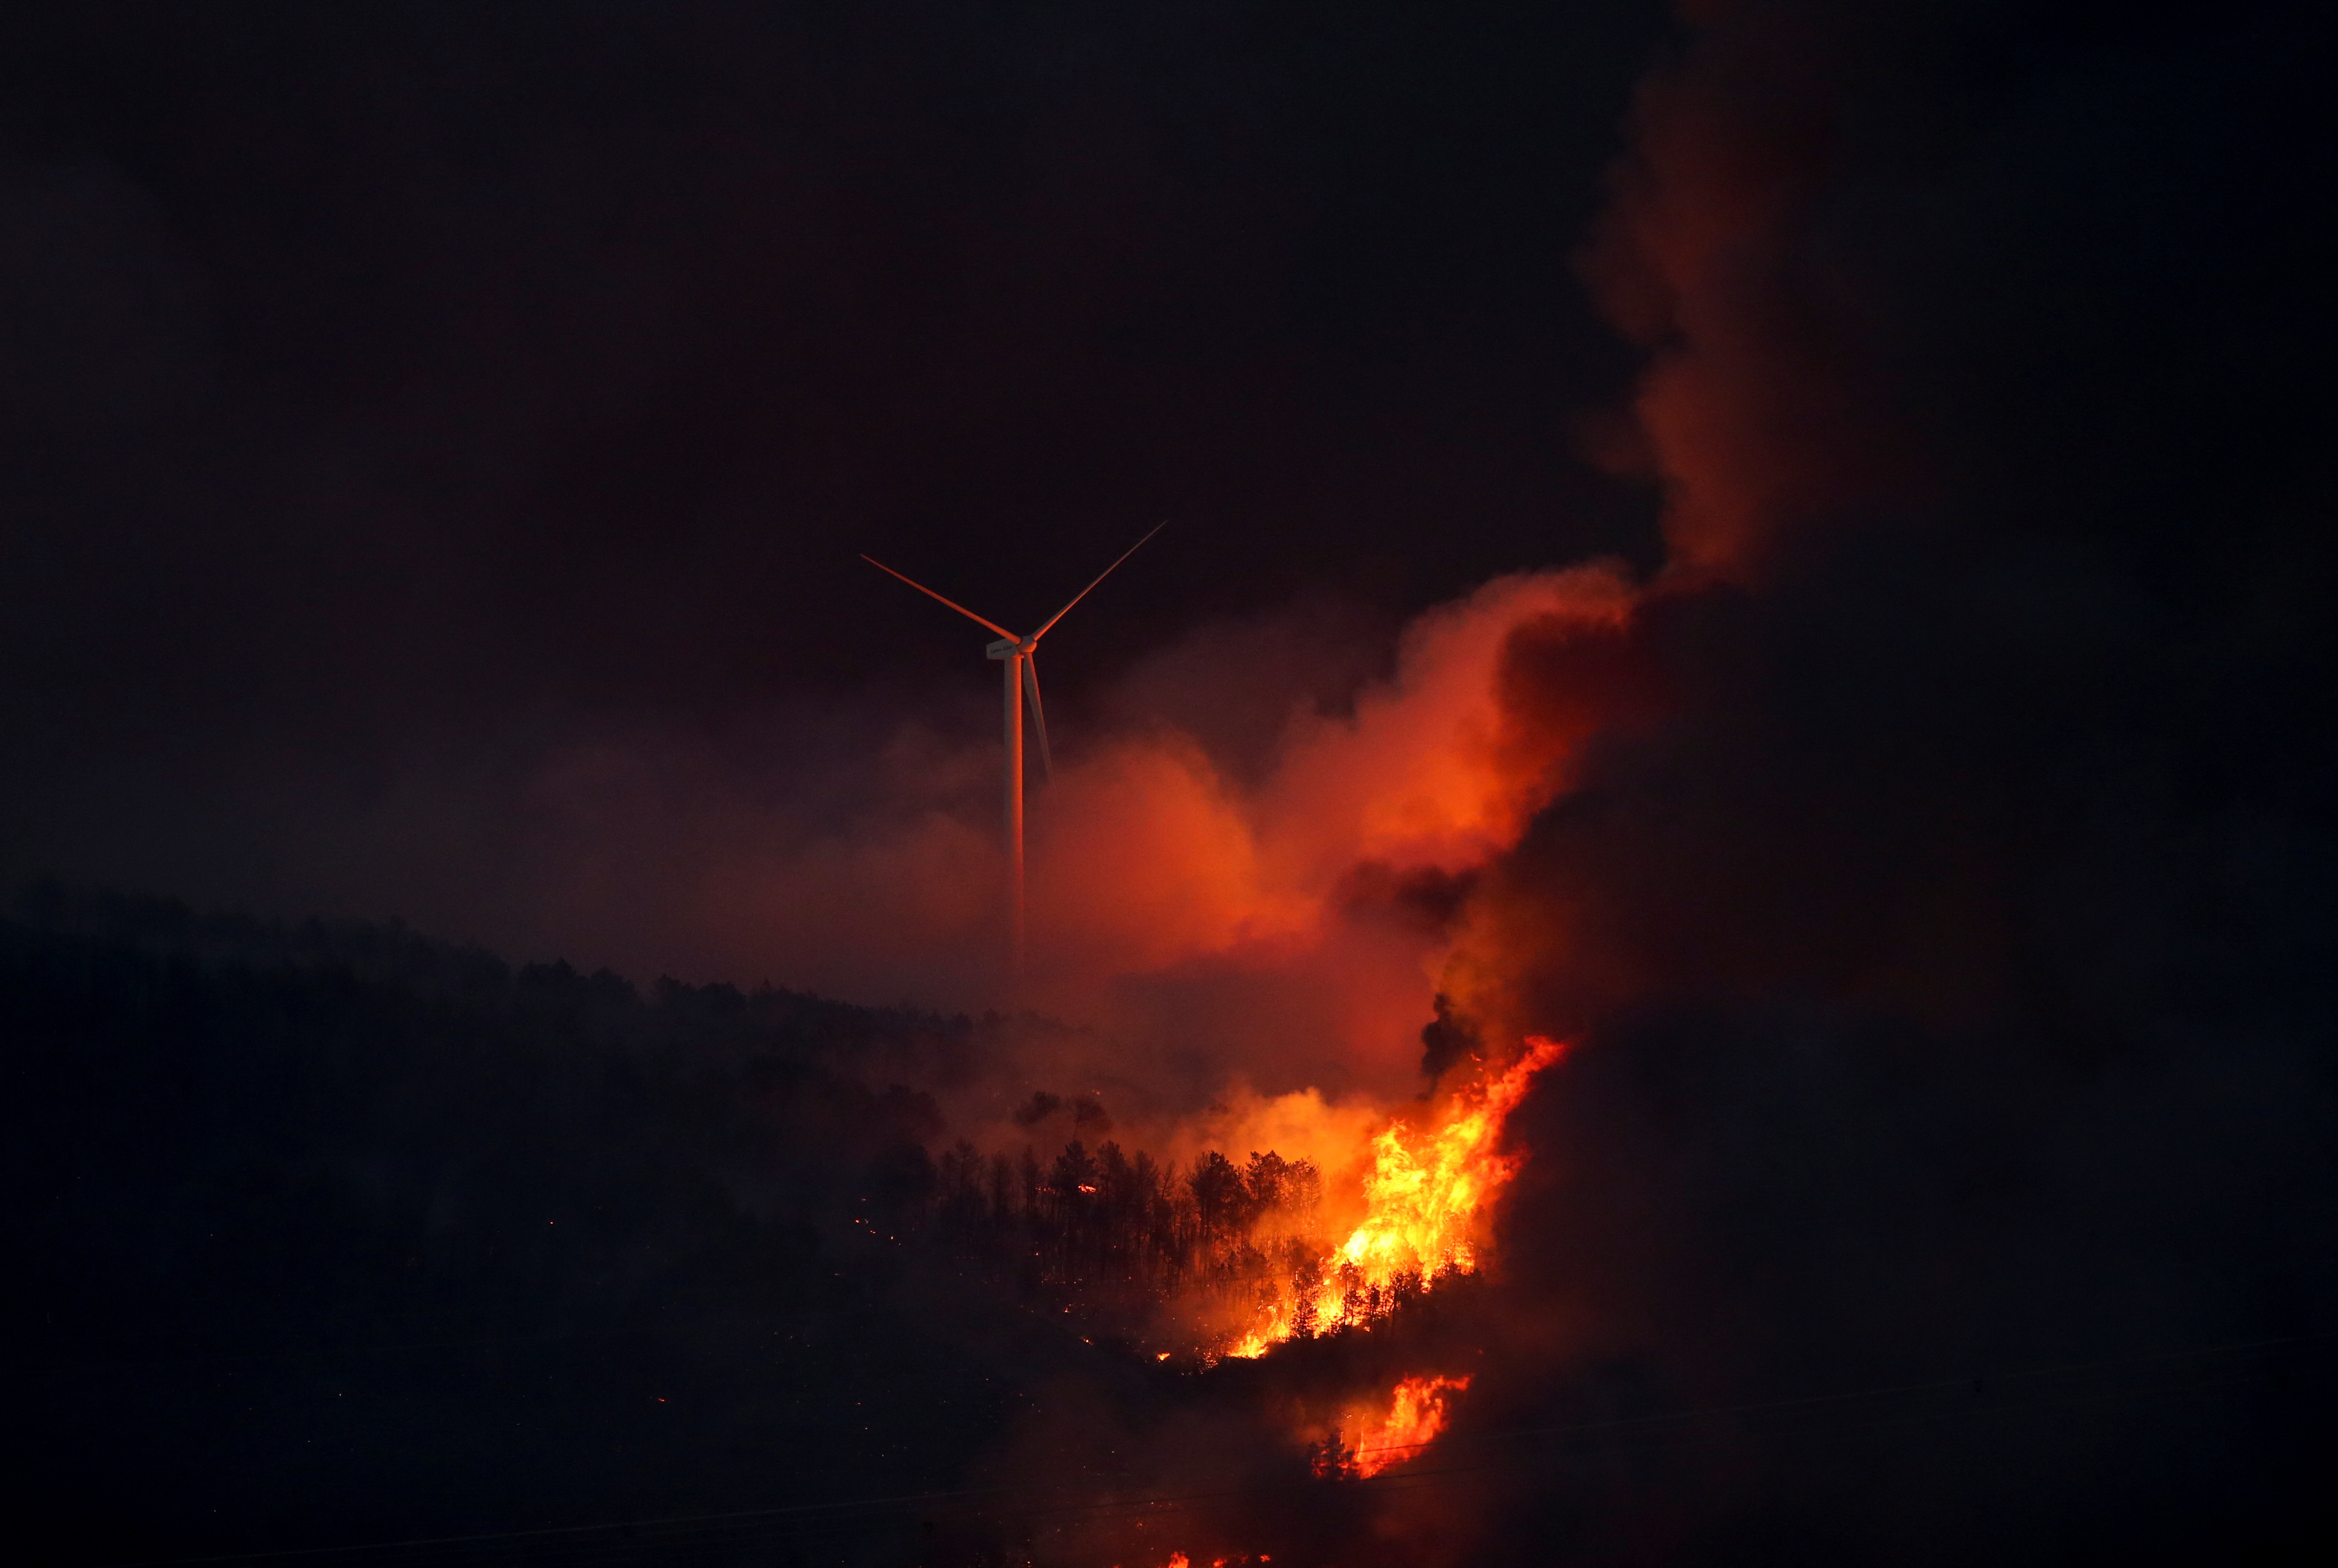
<point>1418,1410</point>
<point>1423,1204</point>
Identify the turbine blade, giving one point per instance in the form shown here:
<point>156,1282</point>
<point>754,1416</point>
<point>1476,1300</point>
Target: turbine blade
<point>1038,714</point>
<point>1108,572</point>
<point>929,593</point>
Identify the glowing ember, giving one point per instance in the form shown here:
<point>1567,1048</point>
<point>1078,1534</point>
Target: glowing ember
<point>1423,1201</point>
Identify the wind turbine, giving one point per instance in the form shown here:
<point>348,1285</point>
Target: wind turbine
<point>1018,655</point>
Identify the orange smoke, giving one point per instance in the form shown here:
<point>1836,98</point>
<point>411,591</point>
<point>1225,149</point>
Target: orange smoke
<point>1425,1202</point>
<point>1263,907</point>
<point>1271,910</point>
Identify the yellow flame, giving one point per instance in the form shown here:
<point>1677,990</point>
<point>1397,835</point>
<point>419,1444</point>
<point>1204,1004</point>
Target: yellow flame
<point>1422,1205</point>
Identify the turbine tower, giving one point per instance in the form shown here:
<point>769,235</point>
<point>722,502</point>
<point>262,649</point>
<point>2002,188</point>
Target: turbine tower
<point>1018,656</point>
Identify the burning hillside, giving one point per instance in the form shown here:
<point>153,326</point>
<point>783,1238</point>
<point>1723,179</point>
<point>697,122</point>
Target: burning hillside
<point>1425,1202</point>
<point>1226,1259</point>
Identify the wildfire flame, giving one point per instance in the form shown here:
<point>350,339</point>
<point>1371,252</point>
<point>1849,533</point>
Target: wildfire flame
<point>1417,1412</point>
<point>1423,1201</point>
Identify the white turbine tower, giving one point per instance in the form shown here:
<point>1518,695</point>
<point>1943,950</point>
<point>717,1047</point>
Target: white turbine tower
<point>1018,654</point>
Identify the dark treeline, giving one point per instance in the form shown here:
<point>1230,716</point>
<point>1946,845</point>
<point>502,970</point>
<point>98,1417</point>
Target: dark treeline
<point>203,1111</point>
<point>328,1233</point>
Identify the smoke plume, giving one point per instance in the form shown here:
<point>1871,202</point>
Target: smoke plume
<point>1942,915</point>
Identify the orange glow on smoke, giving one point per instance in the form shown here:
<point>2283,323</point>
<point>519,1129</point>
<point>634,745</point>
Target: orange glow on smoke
<point>1151,864</point>
<point>1425,1200</point>
<point>1153,850</point>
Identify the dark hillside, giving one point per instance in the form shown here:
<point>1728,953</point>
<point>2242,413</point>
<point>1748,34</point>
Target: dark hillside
<point>325,1234</point>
